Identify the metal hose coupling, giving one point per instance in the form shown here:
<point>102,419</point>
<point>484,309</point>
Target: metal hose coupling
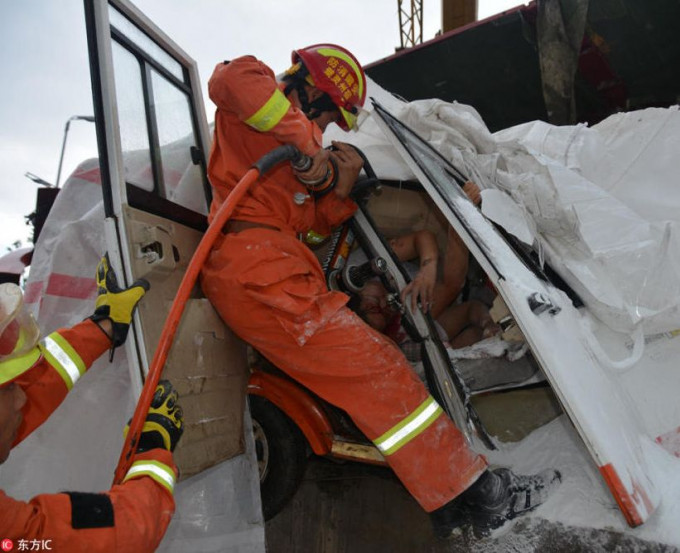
<point>319,187</point>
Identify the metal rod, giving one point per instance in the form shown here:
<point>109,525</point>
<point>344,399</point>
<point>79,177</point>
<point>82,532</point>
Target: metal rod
<point>89,118</point>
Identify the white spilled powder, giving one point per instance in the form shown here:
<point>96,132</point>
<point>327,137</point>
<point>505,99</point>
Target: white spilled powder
<point>583,499</point>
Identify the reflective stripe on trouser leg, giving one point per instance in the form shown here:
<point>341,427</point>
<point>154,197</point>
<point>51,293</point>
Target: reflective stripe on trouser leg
<point>413,425</point>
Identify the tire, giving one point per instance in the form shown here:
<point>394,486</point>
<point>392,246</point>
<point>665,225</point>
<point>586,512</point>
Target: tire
<point>281,454</point>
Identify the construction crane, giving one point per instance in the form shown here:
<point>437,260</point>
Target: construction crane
<point>410,23</point>
<point>455,13</point>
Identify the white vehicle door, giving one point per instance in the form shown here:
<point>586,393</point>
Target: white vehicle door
<point>153,141</point>
<point>596,403</point>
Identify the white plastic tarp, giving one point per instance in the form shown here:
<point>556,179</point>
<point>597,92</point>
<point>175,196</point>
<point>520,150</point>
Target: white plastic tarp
<point>601,203</point>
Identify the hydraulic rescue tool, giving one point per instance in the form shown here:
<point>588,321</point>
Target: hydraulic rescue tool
<point>319,187</point>
<point>351,278</point>
<point>322,186</point>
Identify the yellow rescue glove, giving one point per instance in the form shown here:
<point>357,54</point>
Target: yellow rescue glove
<point>114,303</point>
<point>164,422</point>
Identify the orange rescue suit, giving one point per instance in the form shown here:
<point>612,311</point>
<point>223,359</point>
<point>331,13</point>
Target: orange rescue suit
<point>131,517</point>
<point>270,289</point>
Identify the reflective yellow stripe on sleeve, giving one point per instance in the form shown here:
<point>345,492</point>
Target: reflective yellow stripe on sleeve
<point>65,360</point>
<point>12,368</point>
<point>268,116</point>
<point>161,473</point>
<point>413,425</point>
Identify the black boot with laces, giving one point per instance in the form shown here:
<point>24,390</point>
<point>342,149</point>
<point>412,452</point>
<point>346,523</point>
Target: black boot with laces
<point>499,496</point>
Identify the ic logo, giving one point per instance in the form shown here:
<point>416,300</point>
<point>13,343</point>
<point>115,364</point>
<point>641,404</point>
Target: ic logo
<point>7,545</point>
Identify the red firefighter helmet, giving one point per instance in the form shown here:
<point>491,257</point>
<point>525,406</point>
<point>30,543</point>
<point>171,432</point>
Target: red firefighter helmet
<point>337,72</point>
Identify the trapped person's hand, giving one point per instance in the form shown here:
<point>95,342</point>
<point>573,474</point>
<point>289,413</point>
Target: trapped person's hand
<point>421,288</point>
<point>472,191</point>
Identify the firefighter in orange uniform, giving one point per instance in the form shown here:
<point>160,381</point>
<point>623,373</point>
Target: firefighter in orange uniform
<point>270,289</point>
<point>35,377</point>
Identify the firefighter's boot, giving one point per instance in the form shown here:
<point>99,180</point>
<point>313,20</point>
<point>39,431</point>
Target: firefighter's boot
<point>499,496</point>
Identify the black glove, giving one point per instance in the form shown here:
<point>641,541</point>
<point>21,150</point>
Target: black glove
<point>164,423</point>
<point>116,304</point>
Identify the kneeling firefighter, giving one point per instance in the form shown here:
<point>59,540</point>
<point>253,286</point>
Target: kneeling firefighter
<point>270,289</point>
<point>35,377</point>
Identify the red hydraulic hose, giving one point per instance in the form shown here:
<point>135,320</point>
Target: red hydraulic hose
<point>178,304</point>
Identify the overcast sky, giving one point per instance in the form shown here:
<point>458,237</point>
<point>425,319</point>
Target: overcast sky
<point>45,71</point>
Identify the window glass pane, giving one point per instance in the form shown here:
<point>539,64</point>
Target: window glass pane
<point>132,118</point>
<point>122,24</point>
<point>439,173</point>
<point>431,163</point>
<point>182,179</point>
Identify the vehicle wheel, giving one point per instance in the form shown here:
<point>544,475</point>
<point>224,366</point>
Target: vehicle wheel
<point>281,454</point>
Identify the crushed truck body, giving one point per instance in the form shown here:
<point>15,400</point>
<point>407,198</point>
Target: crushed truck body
<point>549,188</point>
